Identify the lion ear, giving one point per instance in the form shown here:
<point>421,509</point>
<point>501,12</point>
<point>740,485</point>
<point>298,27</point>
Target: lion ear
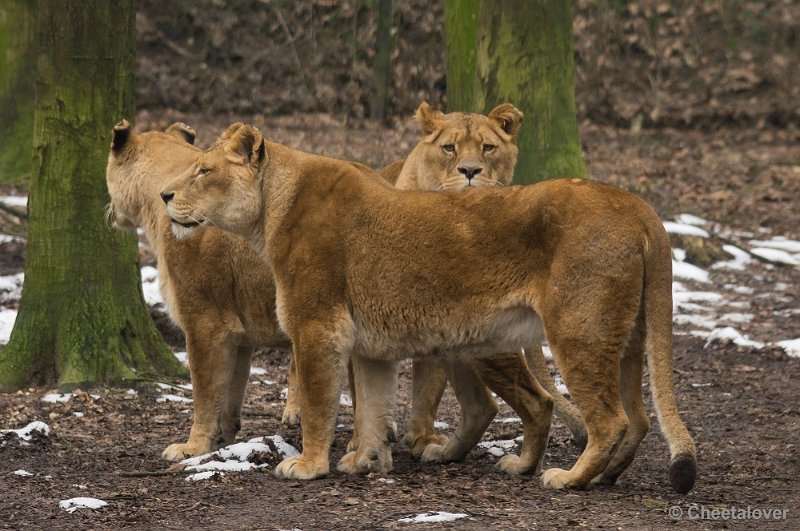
<point>231,130</point>
<point>430,120</point>
<point>509,118</point>
<point>248,144</point>
<point>182,132</point>
<point>120,135</point>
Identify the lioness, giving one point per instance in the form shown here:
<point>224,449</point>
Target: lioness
<point>367,272</point>
<point>216,288</point>
<point>460,150</point>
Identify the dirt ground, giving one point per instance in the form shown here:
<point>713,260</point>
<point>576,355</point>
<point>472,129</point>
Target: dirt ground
<point>740,403</point>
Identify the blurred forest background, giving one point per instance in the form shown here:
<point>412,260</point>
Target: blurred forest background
<point>677,63</point>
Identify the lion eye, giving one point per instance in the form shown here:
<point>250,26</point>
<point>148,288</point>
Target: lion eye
<point>488,148</point>
<point>449,148</point>
<point>203,171</point>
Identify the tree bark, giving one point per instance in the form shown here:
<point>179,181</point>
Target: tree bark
<point>525,56</point>
<point>461,25</point>
<point>16,89</point>
<point>82,319</point>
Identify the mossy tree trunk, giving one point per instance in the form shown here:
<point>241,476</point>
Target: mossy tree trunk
<point>523,55</point>
<point>17,19</point>
<point>460,29</point>
<point>82,319</point>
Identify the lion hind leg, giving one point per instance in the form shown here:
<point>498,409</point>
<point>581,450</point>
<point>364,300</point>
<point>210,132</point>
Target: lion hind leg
<point>375,384</point>
<point>478,408</point>
<point>564,409</point>
<point>596,392</point>
<point>428,381</point>
<point>632,401</point>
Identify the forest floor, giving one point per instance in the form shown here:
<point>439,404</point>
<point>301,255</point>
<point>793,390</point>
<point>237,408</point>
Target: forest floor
<point>738,391</point>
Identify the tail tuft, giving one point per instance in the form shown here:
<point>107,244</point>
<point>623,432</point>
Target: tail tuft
<point>682,473</point>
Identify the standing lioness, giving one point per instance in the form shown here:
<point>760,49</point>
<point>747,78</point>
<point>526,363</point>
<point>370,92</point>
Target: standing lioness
<point>366,272</point>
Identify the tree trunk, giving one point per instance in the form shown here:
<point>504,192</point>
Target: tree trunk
<point>16,89</point>
<point>461,25</point>
<point>525,57</point>
<point>383,52</point>
<point>82,319</point>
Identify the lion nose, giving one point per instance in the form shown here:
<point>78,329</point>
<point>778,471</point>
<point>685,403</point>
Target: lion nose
<point>167,197</point>
<point>470,171</point>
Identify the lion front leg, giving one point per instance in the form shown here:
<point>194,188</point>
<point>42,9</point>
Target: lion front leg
<point>478,409</point>
<point>211,365</point>
<point>291,412</point>
<point>319,374</point>
<point>375,384</point>
<point>508,376</point>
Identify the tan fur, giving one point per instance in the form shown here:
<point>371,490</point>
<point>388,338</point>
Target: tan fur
<point>367,272</point>
<point>456,144</point>
<point>216,288</point>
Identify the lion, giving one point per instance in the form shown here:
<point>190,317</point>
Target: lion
<point>461,150</point>
<point>215,287</point>
<point>368,273</point>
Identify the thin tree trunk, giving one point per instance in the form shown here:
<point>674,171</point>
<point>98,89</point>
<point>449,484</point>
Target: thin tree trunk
<point>461,25</point>
<point>82,318</point>
<point>525,56</point>
<point>17,19</point>
<point>383,52</point>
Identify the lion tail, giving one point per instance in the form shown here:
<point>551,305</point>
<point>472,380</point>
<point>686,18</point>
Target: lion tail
<point>658,321</point>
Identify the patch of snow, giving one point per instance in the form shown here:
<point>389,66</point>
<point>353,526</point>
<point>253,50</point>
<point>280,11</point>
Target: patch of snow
<point>688,271</point>
<point>26,433</point>
<point>258,371</point>
<point>173,398</point>
<point>737,317</point>
<point>741,290</point>
<point>439,516</point>
<point>152,294</point>
<point>507,420</point>
<point>203,475</point>
<point>679,254</point>
<point>696,385</point>
<point>53,398</point>
<point>498,448</point>
<point>7,318</point>
<point>694,320</point>
<point>345,400</point>
<point>548,354</point>
<point>441,425</point>
<point>15,200</point>
<point>778,242</point>
<point>690,219</point>
<point>731,334</point>
<point>388,481</point>
<point>183,357</point>
<point>284,393</point>
<point>684,229</point>
<point>11,287</point>
<point>741,259</point>
<point>22,473</point>
<point>776,256</point>
<point>73,504</point>
<point>77,414</point>
<point>791,347</point>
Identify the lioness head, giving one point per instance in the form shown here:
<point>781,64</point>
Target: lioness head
<point>224,181</point>
<point>139,165</point>
<point>463,149</point>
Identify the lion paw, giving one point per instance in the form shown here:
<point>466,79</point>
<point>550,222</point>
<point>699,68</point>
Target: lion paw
<point>417,443</point>
<point>375,460</point>
<point>299,467</point>
<point>556,478</point>
<point>433,453</point>
<point>291,415</point>
<point>514,464</point>
<point>180,451</point>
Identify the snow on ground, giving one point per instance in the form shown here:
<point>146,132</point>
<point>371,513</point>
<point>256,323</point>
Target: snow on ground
<point>25,434</point>
<point>239,457</point>
<point>435,518</point>
<point>73,504</point>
